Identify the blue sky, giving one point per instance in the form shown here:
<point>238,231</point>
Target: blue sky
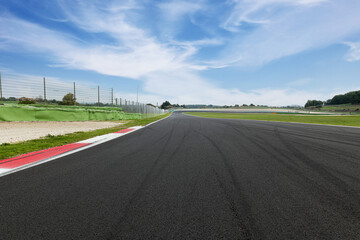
<point>274,52</point>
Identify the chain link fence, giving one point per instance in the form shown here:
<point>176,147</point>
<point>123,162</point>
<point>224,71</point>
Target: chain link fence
<point>51,91</point>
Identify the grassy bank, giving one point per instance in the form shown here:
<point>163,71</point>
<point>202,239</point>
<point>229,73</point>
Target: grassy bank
<point>342,107</point>
<point>349,108</point>
<point>63,113</point>
<point>12,150</point>
<point>353,120</point>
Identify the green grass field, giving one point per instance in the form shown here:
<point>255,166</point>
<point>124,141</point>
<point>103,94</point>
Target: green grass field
<point>11,150</point>
<point>347,120</point>
<point>341,107</point>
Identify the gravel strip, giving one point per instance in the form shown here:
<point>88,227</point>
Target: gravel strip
<point>11,132</point>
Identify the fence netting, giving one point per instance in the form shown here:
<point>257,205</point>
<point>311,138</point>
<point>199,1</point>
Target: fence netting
<point>51,91</point>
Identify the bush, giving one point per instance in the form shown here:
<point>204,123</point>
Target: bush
<point>26,101</point>
<point>68,99</point>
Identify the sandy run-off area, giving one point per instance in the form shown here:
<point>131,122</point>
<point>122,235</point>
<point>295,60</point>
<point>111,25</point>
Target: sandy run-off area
<point>11,132</point>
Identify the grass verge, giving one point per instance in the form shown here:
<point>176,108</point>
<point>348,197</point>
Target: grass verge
<point>346,120</point>
<point>11,150</point>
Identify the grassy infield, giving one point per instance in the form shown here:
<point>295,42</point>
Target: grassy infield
<point>12,150</point>
<point>346,120</point>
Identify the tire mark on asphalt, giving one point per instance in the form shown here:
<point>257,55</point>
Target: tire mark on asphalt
<point>247,223</point>
<point>324,139</point>
<point>291,166</point>
<point>319,168</point>
<point>333,195</point>
<point>349,212</point>
<point>148,180</point>
<point>325,149</point>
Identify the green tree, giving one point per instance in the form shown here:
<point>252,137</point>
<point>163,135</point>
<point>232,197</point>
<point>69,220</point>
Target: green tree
<point>340,99</point>
<point>166,105</point>
<point>313,103</point>
<point>68,99</point>
<point>354,97</point>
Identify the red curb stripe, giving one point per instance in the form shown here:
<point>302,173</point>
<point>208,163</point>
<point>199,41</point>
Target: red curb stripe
<point>39,155</point>
<point>125,130</point>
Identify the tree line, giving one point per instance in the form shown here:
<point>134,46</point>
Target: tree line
<point>347,98</point>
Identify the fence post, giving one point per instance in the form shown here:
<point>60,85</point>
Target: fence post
<point>112,97</point>
<point>120,104</point>
<point>1,98</point>
<point>116,102</point>
<point>74,92</point>
<point>98,95</point>
<point>44,91</point>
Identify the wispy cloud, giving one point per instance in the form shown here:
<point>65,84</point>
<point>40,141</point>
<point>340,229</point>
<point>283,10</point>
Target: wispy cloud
<point>287,27</point>
<point>261,11</point>
<point>175,10</point>
<point>354,52</point>
<point>127,60</point>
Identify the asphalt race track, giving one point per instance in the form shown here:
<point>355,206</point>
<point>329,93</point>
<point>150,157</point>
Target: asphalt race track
<point>194,178</point>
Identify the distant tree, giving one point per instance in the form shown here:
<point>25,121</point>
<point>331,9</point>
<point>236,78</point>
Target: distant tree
<point>350,97</point>
<point>68,99</point>
<point>25,100</point>
<point>236,105</point>
<point>245,105</point>
<point>313,103</point>
<point>340,99</point>
<point>327,102</point>
<point>252,105</point>
<point>165,105</point>
<point>354,97</point>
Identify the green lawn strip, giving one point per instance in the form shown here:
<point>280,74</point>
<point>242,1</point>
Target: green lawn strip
<point>340,107</point>
<point>11,150</point>
<point>347,120</point>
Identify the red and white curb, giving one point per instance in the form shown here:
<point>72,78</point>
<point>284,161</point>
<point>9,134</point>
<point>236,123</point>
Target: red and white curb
<point>8,166</point>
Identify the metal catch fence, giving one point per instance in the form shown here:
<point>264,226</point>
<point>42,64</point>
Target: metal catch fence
<point>15,88</point>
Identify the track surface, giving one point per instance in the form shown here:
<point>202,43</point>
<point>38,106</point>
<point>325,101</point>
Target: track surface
<point>194,178</point>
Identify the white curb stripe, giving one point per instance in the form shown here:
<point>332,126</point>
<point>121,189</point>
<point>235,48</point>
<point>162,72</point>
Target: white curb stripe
<point>100,138</point>
<point>4,170</point>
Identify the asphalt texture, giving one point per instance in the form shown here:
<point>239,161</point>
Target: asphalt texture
<point>188,177</point>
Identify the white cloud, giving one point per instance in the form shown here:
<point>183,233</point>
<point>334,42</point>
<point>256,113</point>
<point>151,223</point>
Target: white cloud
<point>188,87</point>
<point>175,10</point>
<point>125,60</point>
<point>354,52</point>
<point>289,27</point>
<point>311,2</point>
